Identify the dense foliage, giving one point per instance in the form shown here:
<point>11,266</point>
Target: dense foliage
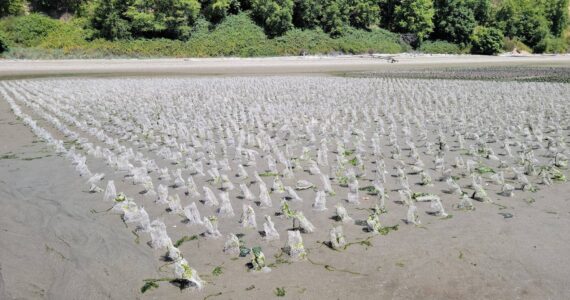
<point>11,7</point>
<point>146,18</point>
<point>29,30</point>
<point>440,47</point>
<point>434,26</point>
<point>3,43</point>
<point>487,40</point>
<point>454,21</point>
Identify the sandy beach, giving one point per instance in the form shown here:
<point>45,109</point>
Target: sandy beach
<point>57,243</point>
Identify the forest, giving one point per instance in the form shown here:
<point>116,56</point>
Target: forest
<point>210,28</point>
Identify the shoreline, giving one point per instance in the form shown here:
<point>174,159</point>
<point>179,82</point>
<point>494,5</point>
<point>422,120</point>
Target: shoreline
<point>17,69</point>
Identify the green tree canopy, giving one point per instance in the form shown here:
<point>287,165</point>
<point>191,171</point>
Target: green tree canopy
<point>306,14</point>
<point>364,13</point>
<point>217,10</point>
<point>146,18</point>
<point>556,12</point>
<point>523,19</point>
<point>486,40</point>
<point>414,16</point>
<point>276,16</point>
<point>334,16</point>
<point>454,21</point>
<point>56,7</point>
<point>11,7</point>
<point>482,10</point>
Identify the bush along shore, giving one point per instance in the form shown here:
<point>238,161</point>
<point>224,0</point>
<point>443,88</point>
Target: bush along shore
<point>36,29</point>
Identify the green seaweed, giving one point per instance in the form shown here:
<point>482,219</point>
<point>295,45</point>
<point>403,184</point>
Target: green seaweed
<point>559,177</point>
<point>217,271</point>
<point>244,251</point>
<point>153,283</point>
<point>365,243</point>
<point>148,286</point>
<point>34,158</point>
<point>370,190</point>
<point>8,155</point>
<point>279,260</point>
<point>268,174</point>
<point>333,269</point>
<point>386,229</point>
<point>501,207</point>
<point>343,181</point>
<point>353,161</point>
<point>185,239</point>
<point>484,170</point>
<point>280,292</point>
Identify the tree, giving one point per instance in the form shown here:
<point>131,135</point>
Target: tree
<point>163,18</point>
<point>486,40</point>
<point>56,7</point>
<point>556,11</point>
<point>11,7</point>
<point>217,10</point>
<point>334,16</point>
<point>414,16</point>
<point>107,19</point>
<point>387,13</point>
<point>3,43</point>
<point>116,19</point>
<point>482,10</point>
<point>364,13</point>
<point>454,21</point>
<point>276,16</point>
<point>523,19</point>
<point>306,14</point>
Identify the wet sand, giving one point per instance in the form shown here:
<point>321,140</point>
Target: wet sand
<point>53,247</point>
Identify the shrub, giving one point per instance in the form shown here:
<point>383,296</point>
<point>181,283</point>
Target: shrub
<point>300,42</point>
<point>68,35</point>
<point>440,47</point>
<point>237,35</point>
<point>486,40</point>
<point>276,16</point>
<point>356,41</point>
<point>551,44</point>
<point>3,43</point>
<point>28,31</point>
